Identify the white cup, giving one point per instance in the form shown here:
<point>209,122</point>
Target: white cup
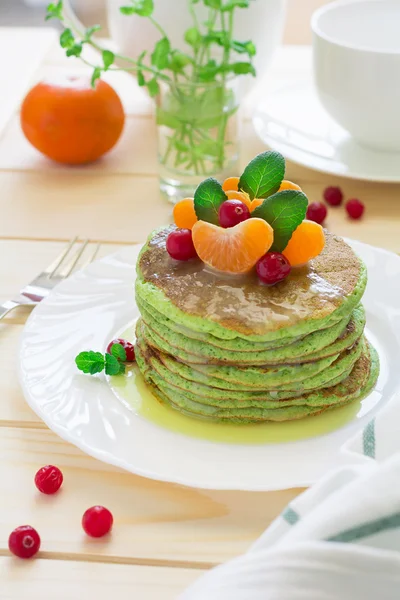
<point>356,47</point>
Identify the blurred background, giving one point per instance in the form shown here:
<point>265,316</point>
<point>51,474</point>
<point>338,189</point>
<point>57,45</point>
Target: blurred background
<point>30,13</point>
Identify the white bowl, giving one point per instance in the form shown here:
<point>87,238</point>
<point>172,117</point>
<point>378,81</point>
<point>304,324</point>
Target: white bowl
<point>356,45</point>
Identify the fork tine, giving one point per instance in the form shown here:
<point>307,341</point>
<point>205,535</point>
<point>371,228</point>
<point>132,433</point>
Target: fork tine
<point>67,268</point>
<point>93,255</point>
<point>52,268</point>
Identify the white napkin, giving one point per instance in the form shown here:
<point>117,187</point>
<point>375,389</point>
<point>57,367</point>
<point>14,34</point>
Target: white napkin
<point>340,540</point>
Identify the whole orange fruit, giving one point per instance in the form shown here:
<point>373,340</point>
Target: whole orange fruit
<point>70,122</point>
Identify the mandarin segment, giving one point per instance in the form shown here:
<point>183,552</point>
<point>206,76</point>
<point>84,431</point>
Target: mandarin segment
<point>255,203</point>
<point>184,214</point>
<point>307,242</point>
<point>234,250</point>
<point>289,185</point>
<point>232,183</point>
<point>242,196</point>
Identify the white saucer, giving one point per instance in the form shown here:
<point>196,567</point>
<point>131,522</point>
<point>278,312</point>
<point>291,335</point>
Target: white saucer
<point>91,307</point>
<point>292,121</point>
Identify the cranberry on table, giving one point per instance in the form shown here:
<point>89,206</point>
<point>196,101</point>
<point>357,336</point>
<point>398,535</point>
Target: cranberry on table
<point>180,245</point>
<point>128,347</point>
<point>316,212</point>
<point>97,521</point>
<point>232,212</point>
<point>333,196</point>
<point>273,267</point>
<point>24,542</point>
<point>48,479</point>
<point>355,208</point>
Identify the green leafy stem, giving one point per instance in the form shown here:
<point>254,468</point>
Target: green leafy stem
<point>213,57</point>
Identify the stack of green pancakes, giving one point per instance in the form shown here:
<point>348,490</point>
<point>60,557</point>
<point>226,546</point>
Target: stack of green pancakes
<point>228,348</point>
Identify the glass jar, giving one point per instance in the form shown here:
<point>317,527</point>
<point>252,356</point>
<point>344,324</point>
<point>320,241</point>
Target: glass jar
<point>198,133</point>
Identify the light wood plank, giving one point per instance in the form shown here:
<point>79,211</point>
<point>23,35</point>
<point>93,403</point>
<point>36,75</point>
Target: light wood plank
<point>155,523</point>
<point>58,204</point>
<point>22,51</point>
<point>135,153</point>
<point>63,580</point>
<point>21,261</point>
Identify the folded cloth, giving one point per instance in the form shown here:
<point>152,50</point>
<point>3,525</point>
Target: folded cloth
<point>338,540</point>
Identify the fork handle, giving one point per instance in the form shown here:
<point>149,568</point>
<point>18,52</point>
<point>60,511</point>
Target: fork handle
<point>7,307</point>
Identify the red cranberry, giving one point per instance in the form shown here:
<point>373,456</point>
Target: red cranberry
<point>97,521</point>
<point>24,542</point>
<point>317,212</point>
<point>333,196</point>
<point>273,267</point>
<point>48,480</point>
<point>180,245</point>
<point>129,348</point>
<point>355,208</point>
<point>232,212</point>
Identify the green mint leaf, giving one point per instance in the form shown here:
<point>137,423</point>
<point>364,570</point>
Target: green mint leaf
<point>263,175</point>
<point>284,211</point>
<point>213,3</point>
<point>140,78</point>
<point>178,61</point>
<point>232,4</point>
<point>54,11</point>
<point>67,39</point>
<point>160,56</point>
<point>143,8</point>
<point>96,75</point>
<point>75,50</point>
<point>90,31</point>
<point>127,10</point>
<point>167,119</point>
<point>122,369</point>
<point>108,59</point>
<point>153,87</point>
<point>244,48</point>
<point>208,197</point>
<point>90,362</point>
<point>119,352</point>
<point>242,68</point>
<point>218,37</point>
<point>112,364</point>
<point>208,71</point>
<point>193,37</point>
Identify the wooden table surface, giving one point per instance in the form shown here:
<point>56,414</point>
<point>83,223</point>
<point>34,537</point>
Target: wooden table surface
<point>164,535</point>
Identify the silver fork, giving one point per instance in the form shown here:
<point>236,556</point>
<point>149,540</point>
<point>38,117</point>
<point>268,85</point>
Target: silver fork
<point>60,269</point>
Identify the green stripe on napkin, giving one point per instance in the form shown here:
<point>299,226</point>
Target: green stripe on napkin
<point>369,439</point>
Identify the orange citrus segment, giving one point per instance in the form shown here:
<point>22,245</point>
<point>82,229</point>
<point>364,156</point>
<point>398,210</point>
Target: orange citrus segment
<point>235,249</point>
<point>242,196</point>
<point>288,185</point>
<point>307,241</point>
<point>255,203</point>
<point>232,183</point>
<point>184,215</point>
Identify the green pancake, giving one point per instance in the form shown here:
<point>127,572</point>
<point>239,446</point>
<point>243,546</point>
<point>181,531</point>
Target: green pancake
<point>161,366</point>
<point>228,307</point>
<point>271,377</point>
<point>227,348</point>
<point>356,386</point>
<point>317,345</point>
<point>158,374</point>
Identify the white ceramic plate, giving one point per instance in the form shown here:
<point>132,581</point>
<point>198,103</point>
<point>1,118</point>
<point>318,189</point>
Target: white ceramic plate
<point>293,121</point>
<point>88,309</point>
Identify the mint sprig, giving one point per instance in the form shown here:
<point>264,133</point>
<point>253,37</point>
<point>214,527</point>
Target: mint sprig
<point>284,211</point>
<point>91,362</point>
<point>263,175</point>
<point>208,197</point>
